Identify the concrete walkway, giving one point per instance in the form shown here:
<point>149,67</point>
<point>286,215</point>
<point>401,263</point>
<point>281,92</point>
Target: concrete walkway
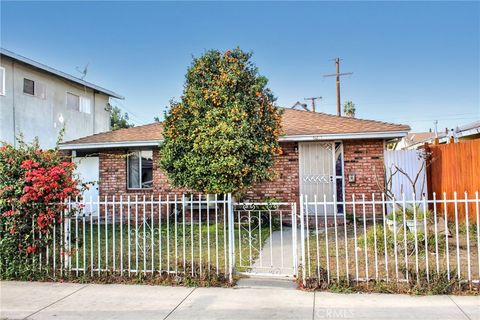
<point>276,256</point>
<point>30,300</point>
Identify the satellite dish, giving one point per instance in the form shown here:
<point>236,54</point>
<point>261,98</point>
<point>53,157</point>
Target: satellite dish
<point>84,71</point>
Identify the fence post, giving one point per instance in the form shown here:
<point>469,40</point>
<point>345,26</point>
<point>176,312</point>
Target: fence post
<point>65,252</point>
<point>231,236</point>
<point>294,237</point>
<point>302,235</point>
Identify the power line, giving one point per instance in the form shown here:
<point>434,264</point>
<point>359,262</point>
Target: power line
<point>135,117</point>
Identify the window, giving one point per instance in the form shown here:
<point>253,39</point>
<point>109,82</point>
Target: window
<point>73,101</point>
<point>34,88</point>
<point>78,103</point>
<point>84,105</point>
<point>140,169</point>
<point>2,81</point>
<point>29,86</point>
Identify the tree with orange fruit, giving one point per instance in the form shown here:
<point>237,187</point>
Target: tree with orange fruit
<point>222,136</point>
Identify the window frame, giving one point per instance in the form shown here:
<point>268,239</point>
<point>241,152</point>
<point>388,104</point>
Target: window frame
<point>138,152</point>
<point>2,87</point>
<point>81,104</point>
<point>23,88</point>
<point>80,99</point>
<point>39,89</point>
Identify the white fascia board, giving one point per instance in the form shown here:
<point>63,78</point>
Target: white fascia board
<point>109,145</point>
<point>335,136</point>
<point>345,136</point>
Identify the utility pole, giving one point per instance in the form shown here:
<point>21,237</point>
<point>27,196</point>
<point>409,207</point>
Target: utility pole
<point>338,75</point>
<point>313,101</point>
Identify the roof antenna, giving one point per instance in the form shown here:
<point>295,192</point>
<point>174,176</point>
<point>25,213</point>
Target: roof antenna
<point>84,71</point>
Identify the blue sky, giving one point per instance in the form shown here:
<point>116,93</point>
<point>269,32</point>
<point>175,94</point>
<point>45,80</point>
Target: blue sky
<point>413,62</point>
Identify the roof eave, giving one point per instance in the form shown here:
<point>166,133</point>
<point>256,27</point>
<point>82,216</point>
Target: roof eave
<point>58,73</point>
<point>346,136</point>
<point>109,145</point>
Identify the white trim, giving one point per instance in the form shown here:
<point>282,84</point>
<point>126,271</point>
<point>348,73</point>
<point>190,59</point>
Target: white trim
<point>299,138</point>
<point>345,136</point>
<point>106,145</point>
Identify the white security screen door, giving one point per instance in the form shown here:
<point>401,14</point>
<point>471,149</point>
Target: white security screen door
<point>88,171</point>
<point>317,173</point>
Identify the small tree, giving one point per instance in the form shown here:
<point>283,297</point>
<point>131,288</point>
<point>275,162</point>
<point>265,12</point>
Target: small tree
<point>349,109</point>
<point>119,120</point>
<point>222,136</point>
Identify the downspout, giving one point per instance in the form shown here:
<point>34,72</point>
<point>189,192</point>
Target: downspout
<point>93,111</point>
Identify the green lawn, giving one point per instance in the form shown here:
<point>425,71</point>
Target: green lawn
<point>154,248</point>
<point>361,255</point>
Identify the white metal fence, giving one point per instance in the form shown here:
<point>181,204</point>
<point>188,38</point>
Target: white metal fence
<point>416,241</point>
<point>198,235</point>
<point>187,235</point>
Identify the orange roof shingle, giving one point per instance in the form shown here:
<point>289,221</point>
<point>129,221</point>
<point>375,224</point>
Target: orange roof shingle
<point>299,122</point>
<point>294,123</point>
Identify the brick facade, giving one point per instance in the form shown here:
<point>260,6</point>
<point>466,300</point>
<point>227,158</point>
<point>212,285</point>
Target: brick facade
<point>113,176</point>
<point>365,159</point>
<point>361,157</point>
<point>286,185</point>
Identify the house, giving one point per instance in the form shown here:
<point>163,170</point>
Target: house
<point>38,101</point>
<point>415,140</point>
<point>322,154</point>
<point>299,106</point>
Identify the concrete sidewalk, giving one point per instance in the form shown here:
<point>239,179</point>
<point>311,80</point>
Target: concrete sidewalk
<point>31,300</point>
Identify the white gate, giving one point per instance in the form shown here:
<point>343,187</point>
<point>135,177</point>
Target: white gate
<point>266,236</point>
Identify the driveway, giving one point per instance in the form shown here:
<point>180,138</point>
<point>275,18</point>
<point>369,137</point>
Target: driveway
<point>32,300</point>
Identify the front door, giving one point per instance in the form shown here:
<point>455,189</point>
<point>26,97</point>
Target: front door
<point>320,172</point>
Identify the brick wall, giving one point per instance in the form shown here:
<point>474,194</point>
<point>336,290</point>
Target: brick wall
<point>113,177</point>
<point>362,157</point>
<point>286,185</point>
<point>365,159</point>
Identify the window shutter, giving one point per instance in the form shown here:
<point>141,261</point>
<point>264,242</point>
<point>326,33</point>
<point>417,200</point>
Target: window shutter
<point>40,90</point>
<point>73,101</point>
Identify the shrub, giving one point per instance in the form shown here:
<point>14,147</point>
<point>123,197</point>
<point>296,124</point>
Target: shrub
<point>409,214</point>
<point>410,240</point>
<point>34,185</point>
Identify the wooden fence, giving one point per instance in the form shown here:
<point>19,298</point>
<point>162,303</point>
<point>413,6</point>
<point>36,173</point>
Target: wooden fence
<point>454,167</point>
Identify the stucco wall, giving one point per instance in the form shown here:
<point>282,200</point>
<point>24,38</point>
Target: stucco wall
<point>33,116</point>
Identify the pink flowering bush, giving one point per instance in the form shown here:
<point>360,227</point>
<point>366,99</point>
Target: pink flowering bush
<point>34,185</point>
